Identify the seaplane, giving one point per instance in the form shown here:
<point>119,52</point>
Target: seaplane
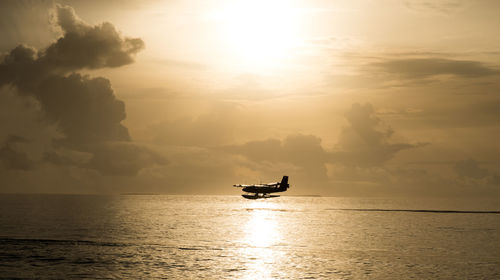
<point>264,190</point>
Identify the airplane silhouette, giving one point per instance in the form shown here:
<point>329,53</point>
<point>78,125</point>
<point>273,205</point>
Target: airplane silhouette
<point>264,190</point>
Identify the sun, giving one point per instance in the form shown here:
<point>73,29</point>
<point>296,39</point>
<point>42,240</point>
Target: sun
<point>258,34</point>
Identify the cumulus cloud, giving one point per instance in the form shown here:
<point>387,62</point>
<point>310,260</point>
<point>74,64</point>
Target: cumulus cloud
<point>81,46</point>
<point>85,46</point>
<point>24,130</point>
<point>300,155</point>
<point>421,68</point>
<point>470,168</point>
<point>366,141</point>
<point>84,109</point>
<point>364,146</point>
<point>12,158</point>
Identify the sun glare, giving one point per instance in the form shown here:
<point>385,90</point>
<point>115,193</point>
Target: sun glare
<point>258,34</point>
<point>261,230</point>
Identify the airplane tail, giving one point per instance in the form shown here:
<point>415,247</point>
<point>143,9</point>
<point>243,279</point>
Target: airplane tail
<point>284,183</point>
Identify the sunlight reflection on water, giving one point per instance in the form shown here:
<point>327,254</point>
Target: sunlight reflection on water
<point>261,230</point>
<point>224,237</point>
<point>261,234</point>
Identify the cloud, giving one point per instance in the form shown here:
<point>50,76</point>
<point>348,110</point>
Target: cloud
<point>476,179</point>
<point>182,64</point>
<point>421,68</point>
<point>207,130</point>
<point>363,147</point>
<point>22,21</point>
<point>81,47</point>
<point>496,180</point>
<point>470,168</point>
<point>263,150</point>
<point>300,155</point>
<point>199,170</point>
<point>12,158</point>
<point>473,113</point>
<point>85,46</point>
<point>21,118</point>
<point>300,149</point>
<point>84,109</point>
<point>108,158</point>
<point>123,158</point>
<point>435,6</point>
<point>367,140</point>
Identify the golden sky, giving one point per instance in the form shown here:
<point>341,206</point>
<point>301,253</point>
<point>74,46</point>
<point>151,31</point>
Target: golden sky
<point>354,98</point>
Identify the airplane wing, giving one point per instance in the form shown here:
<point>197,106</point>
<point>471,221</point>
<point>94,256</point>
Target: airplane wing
<point>243,186</point>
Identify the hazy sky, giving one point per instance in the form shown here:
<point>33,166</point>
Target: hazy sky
<point>356,98</point>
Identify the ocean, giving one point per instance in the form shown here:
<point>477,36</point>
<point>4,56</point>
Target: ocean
<point>229,237</point>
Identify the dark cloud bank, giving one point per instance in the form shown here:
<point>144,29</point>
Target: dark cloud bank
<point>85,110</point>
<point>420,68</point>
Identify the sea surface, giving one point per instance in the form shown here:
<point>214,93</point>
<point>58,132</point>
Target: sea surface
<point>228,237</point>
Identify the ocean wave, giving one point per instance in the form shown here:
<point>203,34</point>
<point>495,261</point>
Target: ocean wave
<point>415,210</point>
<point>9,240</point>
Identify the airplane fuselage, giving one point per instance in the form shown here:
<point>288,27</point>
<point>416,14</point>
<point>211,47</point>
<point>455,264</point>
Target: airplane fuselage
<point>263,189</point>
